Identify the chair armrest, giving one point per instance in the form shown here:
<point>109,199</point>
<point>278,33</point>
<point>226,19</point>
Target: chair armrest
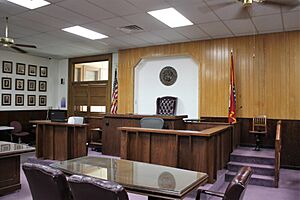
<point>208,192</point>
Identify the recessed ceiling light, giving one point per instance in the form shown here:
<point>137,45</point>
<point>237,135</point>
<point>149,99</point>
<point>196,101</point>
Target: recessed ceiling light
<point>171,17</point>
<point>84,32</point>
<point>31,4</point>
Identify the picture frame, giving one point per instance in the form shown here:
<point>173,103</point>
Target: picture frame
<point>7,67</point>
<point>31,100</point>
<point>43,71</point>
<point>42,86</point>
<point>42,100</point>
<point>31,85</point>
<point>19,85</point>
<point>19,99</point>
<point>6,99</point>
<point>32,69</point>
<point>6,83</point>
<point>20,68</point>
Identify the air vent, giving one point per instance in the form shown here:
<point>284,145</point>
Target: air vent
<point>130,28</point>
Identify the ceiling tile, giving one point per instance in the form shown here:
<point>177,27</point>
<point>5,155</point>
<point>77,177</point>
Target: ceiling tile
<point>192,32</point>
<point>20,20</point>
<point>215,29</point>
<point>118,7</point>
<point>149,5</point>
<point>258,9</point>
<point>268,23</point>
<point>290,8</point>
<point>146,21</point>
<point>185,2</point>
<point>151,38</point>
<point>64,14</point>
<point>18,31</point>
<point>132,40</point>
<point>170,35</point>
<point>116,22</point>
<point>11,8</point>
<point>104,29</point>
<point>241,26</point>
<point>291,20</point>
<point>234,10</point>
<point>86,8</point>
<point>113,42</point>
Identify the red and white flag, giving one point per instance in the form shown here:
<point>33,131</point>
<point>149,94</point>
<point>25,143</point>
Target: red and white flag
<point>232,94</point>
<point>114,102</point>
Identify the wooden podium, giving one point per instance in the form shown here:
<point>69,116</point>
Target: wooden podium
<point>59,140</point>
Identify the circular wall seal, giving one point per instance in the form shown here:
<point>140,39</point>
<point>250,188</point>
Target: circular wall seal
<point>168,75</point>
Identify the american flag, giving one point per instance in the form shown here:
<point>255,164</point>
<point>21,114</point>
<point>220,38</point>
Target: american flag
<point>114,102</point>
<point>232,95</point>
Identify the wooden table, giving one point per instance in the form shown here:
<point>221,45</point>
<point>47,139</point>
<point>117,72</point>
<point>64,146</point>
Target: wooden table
<point>60,140</point>
<point>111,136</point>
<point>10,165</point>
<point>154,181</point>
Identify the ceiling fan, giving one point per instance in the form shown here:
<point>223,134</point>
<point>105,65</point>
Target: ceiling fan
<point>9,42</point>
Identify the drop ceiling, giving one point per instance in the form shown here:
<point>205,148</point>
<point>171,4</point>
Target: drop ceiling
<point>212,19</point>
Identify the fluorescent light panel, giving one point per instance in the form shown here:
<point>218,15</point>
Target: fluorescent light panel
<point>31,4</point>
<point>84,32</point>
<point>171,17</point>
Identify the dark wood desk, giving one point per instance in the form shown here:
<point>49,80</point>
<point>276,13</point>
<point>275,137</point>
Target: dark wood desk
<point>10,165</point>
<point>59,140</point>
<point>111,137</point>
<point>205,151</point>
<point>155,181</point>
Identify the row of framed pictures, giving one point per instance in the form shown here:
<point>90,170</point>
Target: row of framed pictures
<point>20,84</point>
<point>7,67</point>
<point>19,100</point>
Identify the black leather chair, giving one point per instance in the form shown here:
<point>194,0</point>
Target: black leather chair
<point>88,188</point>
<point>46,183</point>
<point>166,105</point>
<point>236,188</point>
<point>152,122</point>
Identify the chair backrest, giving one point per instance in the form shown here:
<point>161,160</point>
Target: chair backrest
<point>88,188</point>
<point>152,122</point>
<point>259,123</point>
<point>17,125</point>
<point>236,188</point>
<point>166,105</point>
<point>46,183</point>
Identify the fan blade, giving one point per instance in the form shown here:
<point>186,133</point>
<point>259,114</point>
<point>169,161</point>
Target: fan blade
<point>25,45</point>
<point>18,49</point>
<point>283,2</point>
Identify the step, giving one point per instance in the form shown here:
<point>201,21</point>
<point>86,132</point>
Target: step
<point>248,151</point>
<point>267,170</point>
<point>261,180</point>
<point>252,159</point>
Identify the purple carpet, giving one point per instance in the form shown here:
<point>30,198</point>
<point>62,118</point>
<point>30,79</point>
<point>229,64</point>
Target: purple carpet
<point>289,187</point>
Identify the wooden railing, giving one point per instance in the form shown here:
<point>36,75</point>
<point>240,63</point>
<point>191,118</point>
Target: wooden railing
<point>277,152</point>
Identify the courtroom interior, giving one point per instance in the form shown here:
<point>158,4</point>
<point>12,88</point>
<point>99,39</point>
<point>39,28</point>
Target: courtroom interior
<point>149,99</point>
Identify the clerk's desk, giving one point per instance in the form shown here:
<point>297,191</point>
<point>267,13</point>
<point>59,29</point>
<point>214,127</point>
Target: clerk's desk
<point>60,140</point>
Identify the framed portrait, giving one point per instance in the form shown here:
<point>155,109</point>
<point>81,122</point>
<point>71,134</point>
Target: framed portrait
<point>42,100</point>
<point>32,70</point>
<point>21,69</point>
<point>43,71</point>
<point>19,99</point>
<point>31,85</point>
<point>42,86</point>
<point>7,67</point>
<point>31,100</point>
<point>19,84</point>
<point>6,99</point>
<point>6,83</point>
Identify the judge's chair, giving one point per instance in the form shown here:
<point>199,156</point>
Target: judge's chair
<point>89,188</point>
<point>259,129</point>
<point>236,188</point>
<point>166,105</point>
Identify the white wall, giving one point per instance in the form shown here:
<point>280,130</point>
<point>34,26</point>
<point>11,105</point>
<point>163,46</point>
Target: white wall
<point>148,86</point>
<point>62,88</point>
<point>54,91</point>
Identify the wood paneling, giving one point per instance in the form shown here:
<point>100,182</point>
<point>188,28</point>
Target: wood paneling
<point>267,74</point>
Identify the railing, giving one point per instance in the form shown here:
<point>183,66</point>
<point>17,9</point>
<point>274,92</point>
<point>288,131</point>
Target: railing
<point>277,152</point>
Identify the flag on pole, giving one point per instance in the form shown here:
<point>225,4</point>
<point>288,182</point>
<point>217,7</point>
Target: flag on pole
<point>114,102</point>
<point>232,95</point>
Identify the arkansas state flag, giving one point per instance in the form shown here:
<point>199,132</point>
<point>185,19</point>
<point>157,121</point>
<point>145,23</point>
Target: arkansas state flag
<point>232,95</point>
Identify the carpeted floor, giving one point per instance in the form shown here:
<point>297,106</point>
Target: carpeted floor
<point>289,187</point>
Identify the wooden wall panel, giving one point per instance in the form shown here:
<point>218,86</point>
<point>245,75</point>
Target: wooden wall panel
<point>267,74</point>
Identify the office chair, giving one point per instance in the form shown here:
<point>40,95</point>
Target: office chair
<point>166,105</point>
<point>88,188</point>
<point>18,130</point>
<point>259,129</point>
<point>46,183</point>
<point>236,188</point>
<point>152,122</point>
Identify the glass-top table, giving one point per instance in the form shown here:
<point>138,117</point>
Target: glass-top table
<point>155,181</point>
